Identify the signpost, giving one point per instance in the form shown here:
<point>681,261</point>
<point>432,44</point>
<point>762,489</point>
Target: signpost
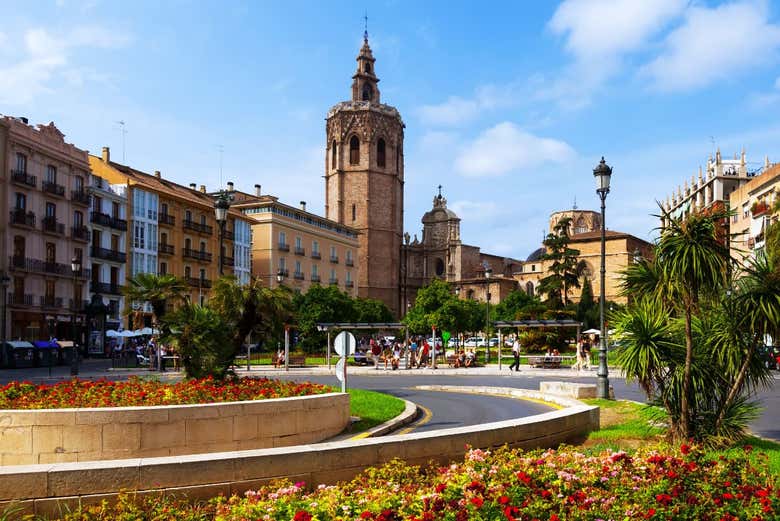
<point>344,345</point>
<point>433,365</point>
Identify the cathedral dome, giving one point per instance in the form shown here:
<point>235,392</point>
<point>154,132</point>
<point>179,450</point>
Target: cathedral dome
<point>536,255</point>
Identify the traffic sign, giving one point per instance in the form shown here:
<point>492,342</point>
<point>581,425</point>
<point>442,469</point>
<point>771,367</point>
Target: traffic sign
<point>445,335</point>
<point>344,344</point>
<point>340,369</point>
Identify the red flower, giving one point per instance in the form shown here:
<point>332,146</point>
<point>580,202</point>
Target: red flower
<point>546,494</point>
<point>525,478</point>
<point>554,517</point>
<point>302,515</point>
<point>685,449</point>
<point>440,488</point>
<point>650,513</point>
<point>503,500</point>
<point>477,501</point>
<point>664,499</point>
<point>366,515</point>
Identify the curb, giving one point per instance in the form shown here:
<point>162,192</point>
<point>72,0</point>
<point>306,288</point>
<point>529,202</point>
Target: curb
<point>409,414</point>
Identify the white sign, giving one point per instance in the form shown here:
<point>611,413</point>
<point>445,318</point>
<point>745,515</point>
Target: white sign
<point>344,344</point>
<point>340,369</point>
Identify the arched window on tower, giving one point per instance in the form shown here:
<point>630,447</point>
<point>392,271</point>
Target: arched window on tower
<point>368,92</point>
<point>354,150</point>
<point>333,155</point>
<point>354,212</point>
<point>529,288</point>
<point>367,67</point>
<point>380,153</point>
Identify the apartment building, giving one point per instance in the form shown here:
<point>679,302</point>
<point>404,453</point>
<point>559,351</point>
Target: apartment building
<point>43,194</point>
<point>173,229</point>
<point>108,251</point>
<point>755,206</point>
<point>297,245</point>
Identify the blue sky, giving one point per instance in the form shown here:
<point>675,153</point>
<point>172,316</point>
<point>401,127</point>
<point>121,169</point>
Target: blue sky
<point>508,106</point>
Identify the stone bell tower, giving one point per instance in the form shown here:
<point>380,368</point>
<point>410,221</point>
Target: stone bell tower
<point>364,179</point>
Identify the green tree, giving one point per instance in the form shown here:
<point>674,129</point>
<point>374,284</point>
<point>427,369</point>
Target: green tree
<point>202,338</point>
<point>157,290</point>
<point>370,311</point>
<point>513,305</point>
<point>321,304</point>
<point>562,266</point>
<point>426,311</point>
<point>587,310</point>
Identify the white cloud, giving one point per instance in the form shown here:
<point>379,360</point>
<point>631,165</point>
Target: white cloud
<point>476,210</point>
<point>506,147</point>
<point>714,44</point>
<point>454,111</point>
<point>45,56</point>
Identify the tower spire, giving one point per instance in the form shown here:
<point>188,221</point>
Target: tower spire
<point>365,27</point>
<point>364,81</point>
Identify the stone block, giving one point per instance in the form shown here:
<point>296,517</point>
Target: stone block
<point>210,430</point>
<point>93,477</point>
<point>163,435</point>
<point>231,409</point>
<point>47,438</point>
<point>18,459</point>
<point>23,482</point>
<point>121,437</point>
<point>82,438</point>
<point>58,457</point>
<point>187,471</point>
<point>37,417</point>
<point>193,412</point>
<point>282,424</point>
<point>16,440</point>
<point>122,415</point>
<point>245,428</point>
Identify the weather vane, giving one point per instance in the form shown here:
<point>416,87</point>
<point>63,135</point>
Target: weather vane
<point>365,25</point>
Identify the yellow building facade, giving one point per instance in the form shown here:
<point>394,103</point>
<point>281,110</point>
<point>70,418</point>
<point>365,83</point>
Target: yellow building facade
<point>755,207</point>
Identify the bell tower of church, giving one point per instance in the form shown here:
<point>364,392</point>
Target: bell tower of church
<point>364,179</point>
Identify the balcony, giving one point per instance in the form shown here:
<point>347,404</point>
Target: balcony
<point>349,262</point>
<point>316,255</point>
<point>49,302</point>
<point>349,284</point>
<point>166,219</point>
<point>50,225</point>
<point>334,259</point>
<point>228,261</point>
<point>197,227</point>
<point>298,275</point>
<point>333,282</point>
<point>315,278</point>
<point>759,208</point>
<point>109,255</point>
<point>80,197</point>
<point>300,251</point>
<point>22,263</point>
<point>53,188</point>
<point>165,249</point>
<point>80,233</point>
<point>20,217</point>
<point>105,288</point>
<point>283,246</point>
<point>198,283</point>
<point>229,235</point>
<point>284,271</point>
<point>23,178</point>
<point>104,219</point>
<point>22,300</point>
<point>201,256</point>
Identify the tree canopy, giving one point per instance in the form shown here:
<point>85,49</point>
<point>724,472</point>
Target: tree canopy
<point>562,265</point>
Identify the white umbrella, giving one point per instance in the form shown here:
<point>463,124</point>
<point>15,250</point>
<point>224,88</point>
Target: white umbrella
<point>592,332</point>
<point>127,333</point>
<point>111,333</point>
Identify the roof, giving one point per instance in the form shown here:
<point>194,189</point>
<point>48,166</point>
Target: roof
<point>610,234</point>
<point>536,255</point>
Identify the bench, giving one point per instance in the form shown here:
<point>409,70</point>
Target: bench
<point>545,362</point>
<point>451,362</point>
<point>297,361</point>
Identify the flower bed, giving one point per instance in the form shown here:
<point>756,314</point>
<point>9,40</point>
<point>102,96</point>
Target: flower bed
<point>138,392</point>
<point>506,485</point>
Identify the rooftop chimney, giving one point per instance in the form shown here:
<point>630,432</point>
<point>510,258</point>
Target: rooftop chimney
<point>203,189</point>
<point>24,120</point>
<point>257,190</point>
<point>230,185</point>
<point>303,205</point>
<point>193,186</point>
<point>106,154</point>
<point>157,174</point>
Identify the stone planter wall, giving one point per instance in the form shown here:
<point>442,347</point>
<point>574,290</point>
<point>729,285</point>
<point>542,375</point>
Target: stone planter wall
<point>63,435</point>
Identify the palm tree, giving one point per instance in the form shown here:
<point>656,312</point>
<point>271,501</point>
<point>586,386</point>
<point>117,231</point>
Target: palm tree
<point>157,290</point>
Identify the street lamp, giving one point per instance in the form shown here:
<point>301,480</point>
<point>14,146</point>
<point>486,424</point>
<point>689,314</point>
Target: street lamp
<point>488,273</point>
<point>221,206</point>
<point>5,280</point>
<point>602,173</point>
<point>75,268</point>
<point>280,276</point>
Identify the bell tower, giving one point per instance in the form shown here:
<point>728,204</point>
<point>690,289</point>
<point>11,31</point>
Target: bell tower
<point>364,172</point>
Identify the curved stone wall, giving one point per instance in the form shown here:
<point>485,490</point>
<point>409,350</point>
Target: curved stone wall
<point>62,435</point>
<point>46,489</point>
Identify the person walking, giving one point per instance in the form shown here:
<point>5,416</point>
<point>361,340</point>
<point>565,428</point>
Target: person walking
<point>515,356</point>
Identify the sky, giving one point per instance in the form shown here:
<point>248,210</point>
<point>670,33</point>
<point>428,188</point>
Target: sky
<point>508,105</point>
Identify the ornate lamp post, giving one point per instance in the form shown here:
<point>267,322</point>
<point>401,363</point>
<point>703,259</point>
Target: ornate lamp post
<point>488,273</point>
<point>602,173</point>
<point>5,280</point>
<point>221,206</point>
<point>75,268</point>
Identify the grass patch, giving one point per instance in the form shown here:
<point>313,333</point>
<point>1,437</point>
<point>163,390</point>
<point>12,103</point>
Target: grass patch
<point>373,408</point>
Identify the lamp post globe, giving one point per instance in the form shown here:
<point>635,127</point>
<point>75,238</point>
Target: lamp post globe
<point>488,273</point>
<point>75,268</point>
<point>602,174</point>
<point>280,276</point>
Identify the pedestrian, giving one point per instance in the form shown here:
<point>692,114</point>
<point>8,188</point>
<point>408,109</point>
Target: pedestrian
<point>515,356</point>
<point>412,354</point>
<point>426,348</point>
<point>376,350</point>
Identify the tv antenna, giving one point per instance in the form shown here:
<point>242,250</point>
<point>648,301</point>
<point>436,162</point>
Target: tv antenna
<point>221,149</point>
<point>123,130</point>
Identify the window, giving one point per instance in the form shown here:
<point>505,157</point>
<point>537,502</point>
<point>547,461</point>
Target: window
<point>529,288</point>
<point>51,252</point>
<point>380,153</point>
<point>439,267</point>
<point>96,239</point>
<point>332,274</point>
<point>79,254</point>
<point>187,272</point>
<point>202,246</point>
<point>298,243</point>
<point>333,254</point>
<point>203,219</point>
<point>19,246</point>
<point>188,244</point>
<point>78,183</point>
<point>282,238</point>
<point>114,242</point>
<point>349,256</point>
<point>349,277</point>
<point>354,150</point>
<point>164,208</point>
<point>354,212</point>
<point>188,216</point>
<point>51,174</point>
<point>115,210</point>
<point>203,274</point>
<point>333,156</point>
<point>298,268</point>
<point>367,67</point>
<point>19,286</point>
<point>315,271</point>
<point>368,92</point>
<point>51,210</point>
<point>163,238</point>
<point>97,204</point>
<point>533,267</point>
<point>282,263</point>
<point>78,219</point>
<point>21,201</point>
<point>50,290</point>
<point>315,247</point>
<point>138,235</point>
<point>21,163</point>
